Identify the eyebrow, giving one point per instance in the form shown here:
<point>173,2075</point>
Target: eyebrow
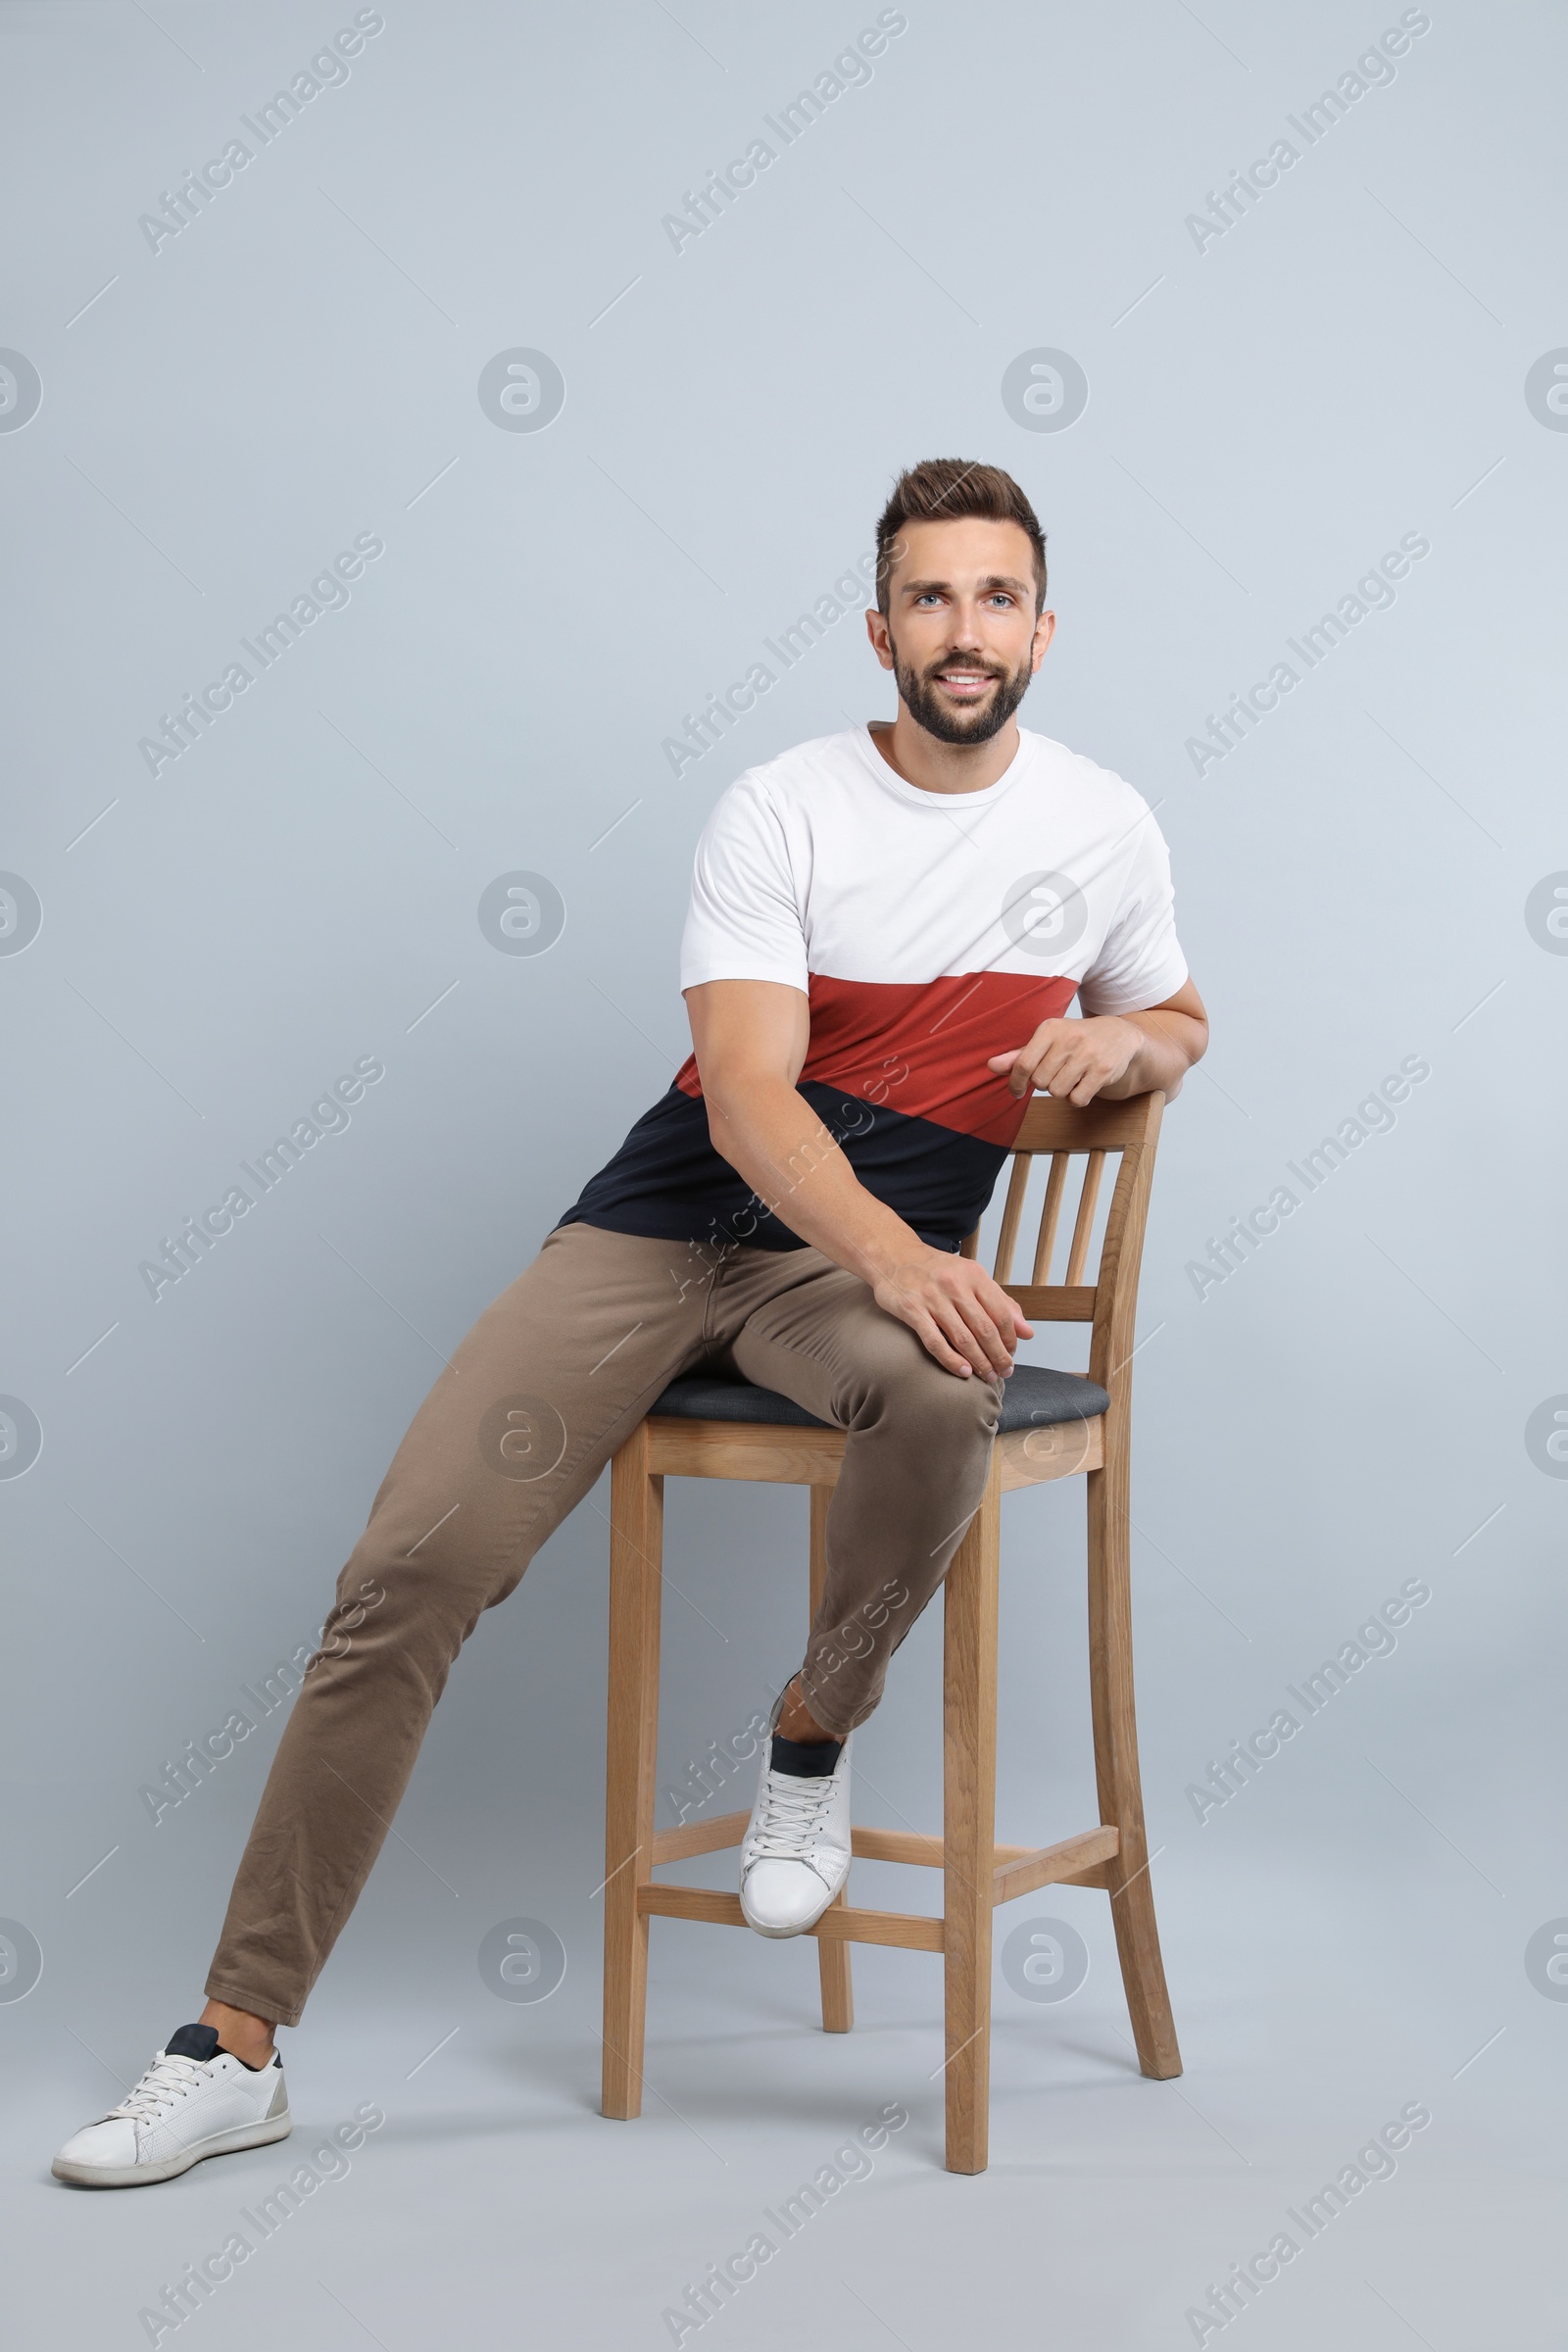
<point>995,580</point>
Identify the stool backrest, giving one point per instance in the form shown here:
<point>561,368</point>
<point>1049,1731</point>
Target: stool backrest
<point>1109,1298</point>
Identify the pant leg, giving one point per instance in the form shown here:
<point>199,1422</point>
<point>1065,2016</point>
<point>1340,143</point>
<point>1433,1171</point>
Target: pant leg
<point>917,1453</point>
<point>552,1378</point>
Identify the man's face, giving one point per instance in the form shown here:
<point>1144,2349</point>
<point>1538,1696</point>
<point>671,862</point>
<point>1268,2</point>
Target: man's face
<point>959,633</point>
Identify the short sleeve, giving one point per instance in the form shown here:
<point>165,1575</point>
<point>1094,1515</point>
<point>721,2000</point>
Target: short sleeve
<point>1140,962</point>
<point>744,921</point>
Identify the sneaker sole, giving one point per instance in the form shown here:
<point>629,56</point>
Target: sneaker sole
<point>780,1934</point>
<point>139,2176</point>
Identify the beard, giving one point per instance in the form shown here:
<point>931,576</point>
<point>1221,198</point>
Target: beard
<point>973,722</point>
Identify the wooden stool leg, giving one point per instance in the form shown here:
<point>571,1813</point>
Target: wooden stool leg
<point>832,1959</point>
<point>969,1792</point>
<point>1121,1800</point>
<point>636,1546</point>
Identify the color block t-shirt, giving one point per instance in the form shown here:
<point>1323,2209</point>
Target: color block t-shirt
<point>928,931</point>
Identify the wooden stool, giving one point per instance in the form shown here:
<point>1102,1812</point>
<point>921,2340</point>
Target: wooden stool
<point>1054,1425</point>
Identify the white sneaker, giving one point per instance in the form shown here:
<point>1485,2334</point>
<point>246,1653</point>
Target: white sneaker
<point>796,1855</point>
<point>194,2100</point>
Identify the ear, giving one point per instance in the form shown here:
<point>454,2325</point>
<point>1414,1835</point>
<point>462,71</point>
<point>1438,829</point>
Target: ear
<point>876,628</point>
<point>1045,631</point>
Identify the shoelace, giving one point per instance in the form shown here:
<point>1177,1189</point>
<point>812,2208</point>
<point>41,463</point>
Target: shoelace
<point>164,2083</point>
<point>792,1817</point>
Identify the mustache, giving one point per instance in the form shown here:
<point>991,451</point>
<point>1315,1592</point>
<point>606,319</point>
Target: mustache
<point>984,670</point>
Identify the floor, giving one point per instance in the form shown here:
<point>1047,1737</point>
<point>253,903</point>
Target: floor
<point>494,2198</point>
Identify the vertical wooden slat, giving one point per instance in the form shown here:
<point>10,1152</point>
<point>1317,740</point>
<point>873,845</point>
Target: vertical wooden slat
<point>1017,1186</point>
<point>832,1959</point>
<point>1055,1185</point>
<point>636,1543</point>
<point>1084,1226</point>
<point>969,1785</point>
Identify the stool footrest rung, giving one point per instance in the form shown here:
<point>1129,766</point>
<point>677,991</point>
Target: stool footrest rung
<point>840,1924</point>
<point>1051,1865</point>
<point>699,1838</point>
<point>1041,1865</point>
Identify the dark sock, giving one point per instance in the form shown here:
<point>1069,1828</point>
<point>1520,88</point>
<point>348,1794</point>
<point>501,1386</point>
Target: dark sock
<point>194,2041</point>
<point>806,1759</point>
<point>201,2042</point>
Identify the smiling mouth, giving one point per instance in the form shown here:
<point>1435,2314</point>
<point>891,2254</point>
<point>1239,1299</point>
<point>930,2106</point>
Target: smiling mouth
<point>965,685</point>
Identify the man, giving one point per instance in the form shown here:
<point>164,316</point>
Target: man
<point>887,928</point>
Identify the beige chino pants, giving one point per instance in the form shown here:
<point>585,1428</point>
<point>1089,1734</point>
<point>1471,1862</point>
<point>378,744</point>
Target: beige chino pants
<point>550,1381</point>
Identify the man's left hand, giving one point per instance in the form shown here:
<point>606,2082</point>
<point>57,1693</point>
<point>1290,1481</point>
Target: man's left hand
<point>1073,1060</point>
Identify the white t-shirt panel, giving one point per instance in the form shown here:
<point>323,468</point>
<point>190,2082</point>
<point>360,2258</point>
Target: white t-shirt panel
<point>825,861</point>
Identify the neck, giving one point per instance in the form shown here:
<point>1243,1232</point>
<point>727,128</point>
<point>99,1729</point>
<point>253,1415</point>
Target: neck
<point>932,766</point>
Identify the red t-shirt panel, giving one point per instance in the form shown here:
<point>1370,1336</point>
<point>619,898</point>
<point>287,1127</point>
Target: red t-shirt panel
<point>921,1048</point>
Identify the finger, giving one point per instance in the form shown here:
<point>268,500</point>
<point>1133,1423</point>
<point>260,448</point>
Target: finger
<point>1087,1083</point>
<point>954,1324</point>
<point>996,1352</point>
<point>1058,1057</point>
<point>1015,1066</point>
<point>1031,1048</point>
<point>1005,1311</point>
<point>1067,1072</point>
<point>931,1339</point>
<point>1022,1065</point>
<point>1034,1066</point>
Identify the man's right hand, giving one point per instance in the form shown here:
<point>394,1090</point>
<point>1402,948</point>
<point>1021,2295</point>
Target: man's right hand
<point>957,1310</point>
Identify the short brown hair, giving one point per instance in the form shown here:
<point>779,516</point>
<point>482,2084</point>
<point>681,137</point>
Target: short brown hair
<point>947,490</point>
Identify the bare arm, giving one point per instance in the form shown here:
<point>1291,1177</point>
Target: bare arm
<point>1115,1054</point>
<point>751,1038</point>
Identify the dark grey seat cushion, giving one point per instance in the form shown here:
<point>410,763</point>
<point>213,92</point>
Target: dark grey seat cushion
<point>1033,1397</point>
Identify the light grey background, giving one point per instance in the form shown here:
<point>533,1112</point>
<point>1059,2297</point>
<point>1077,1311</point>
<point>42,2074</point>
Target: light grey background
<point>1266,417</point>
